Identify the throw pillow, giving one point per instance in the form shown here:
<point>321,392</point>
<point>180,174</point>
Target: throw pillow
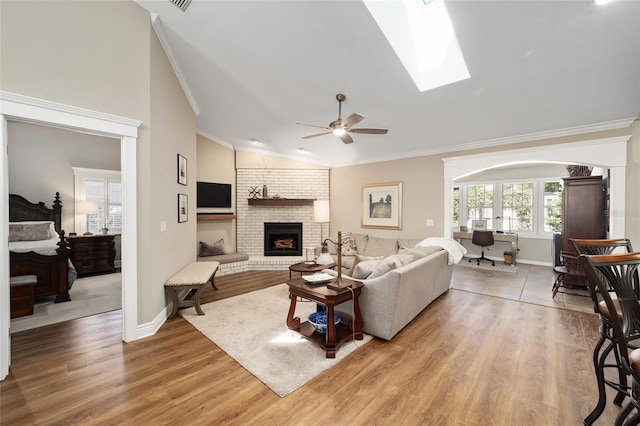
<point>29,231</point>
<point>387,264</point>
<point>364,269</point>
<point>418,254</point>
<point>405,258</point>
<point>211,249</point>
<point>359,258</point>
<point>349,248</point>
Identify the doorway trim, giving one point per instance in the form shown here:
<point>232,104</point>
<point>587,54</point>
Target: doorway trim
<point>608,153</point>
<point>15,107</point>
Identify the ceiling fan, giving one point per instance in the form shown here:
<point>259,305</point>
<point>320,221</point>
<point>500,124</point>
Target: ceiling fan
<point>341,128</point>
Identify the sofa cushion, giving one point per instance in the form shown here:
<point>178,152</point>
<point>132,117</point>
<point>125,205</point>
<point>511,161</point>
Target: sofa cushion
<point>364,269</point>
<point>211,249</point>
<point>380,246</point>
<point>385,265</point>
<point>360,258</point>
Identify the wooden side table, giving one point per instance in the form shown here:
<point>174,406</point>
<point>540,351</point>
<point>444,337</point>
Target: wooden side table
<point>336,333</point>
<point>308,268</point>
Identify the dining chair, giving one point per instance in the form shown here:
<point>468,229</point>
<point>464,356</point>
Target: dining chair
<point>600,364</point>
<point>484,239</point>
<point>620,273</point>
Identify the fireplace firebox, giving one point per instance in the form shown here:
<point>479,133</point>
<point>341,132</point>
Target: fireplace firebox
<point>282,239</point>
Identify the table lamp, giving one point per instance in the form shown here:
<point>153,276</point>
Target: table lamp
<point>321,214</point>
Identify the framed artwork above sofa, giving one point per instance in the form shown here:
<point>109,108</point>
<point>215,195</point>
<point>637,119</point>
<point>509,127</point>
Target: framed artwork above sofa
<point>382,205</point>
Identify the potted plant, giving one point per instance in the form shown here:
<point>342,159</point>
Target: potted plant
<point>508,257</point>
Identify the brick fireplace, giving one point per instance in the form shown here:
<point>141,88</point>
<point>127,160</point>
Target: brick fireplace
<point>303,184</point>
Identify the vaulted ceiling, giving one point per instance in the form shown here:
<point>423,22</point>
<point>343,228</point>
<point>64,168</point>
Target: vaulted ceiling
<point>256,68</point>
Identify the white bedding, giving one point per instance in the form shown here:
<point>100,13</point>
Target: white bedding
<point>43,247</point>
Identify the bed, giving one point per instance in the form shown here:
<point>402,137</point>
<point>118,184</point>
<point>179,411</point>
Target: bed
<point>37,246</point>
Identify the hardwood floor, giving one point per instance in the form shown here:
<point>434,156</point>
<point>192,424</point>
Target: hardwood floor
<point>467,359</point>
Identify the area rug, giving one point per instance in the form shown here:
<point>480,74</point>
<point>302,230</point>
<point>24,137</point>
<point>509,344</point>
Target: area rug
<point>500,266</point>
<point>251,328</point>
<point>89,296</point>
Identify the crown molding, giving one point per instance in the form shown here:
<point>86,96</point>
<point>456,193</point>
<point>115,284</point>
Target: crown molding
<point>550,134</point>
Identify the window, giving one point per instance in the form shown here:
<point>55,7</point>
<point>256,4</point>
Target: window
<point>517,206</point>
<point>105,188</point>
<point>533,207</point>
<point>552,206</point>
<point>480,204</point>
<point>456,206</point>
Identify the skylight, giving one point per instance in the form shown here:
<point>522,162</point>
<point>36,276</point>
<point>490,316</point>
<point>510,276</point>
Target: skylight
<point>422,36</point>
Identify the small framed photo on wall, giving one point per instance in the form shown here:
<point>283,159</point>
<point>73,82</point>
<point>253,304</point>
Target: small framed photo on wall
<point>183,208</point>
<point>182,170</point>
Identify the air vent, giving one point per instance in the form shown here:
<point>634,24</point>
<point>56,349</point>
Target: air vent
<point>181,4</point>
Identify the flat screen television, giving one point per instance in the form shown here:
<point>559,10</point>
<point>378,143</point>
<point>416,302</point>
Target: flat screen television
<point>210,194</point>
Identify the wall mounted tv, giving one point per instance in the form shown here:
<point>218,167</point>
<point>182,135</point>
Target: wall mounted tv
<point>214,194</point>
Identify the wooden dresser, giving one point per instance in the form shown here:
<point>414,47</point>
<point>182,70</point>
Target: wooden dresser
<point>93,254</point>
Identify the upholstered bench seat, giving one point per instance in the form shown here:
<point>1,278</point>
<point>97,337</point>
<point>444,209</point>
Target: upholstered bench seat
<point>230,263</point>
<point>225,258</point>
<point>192,278</point>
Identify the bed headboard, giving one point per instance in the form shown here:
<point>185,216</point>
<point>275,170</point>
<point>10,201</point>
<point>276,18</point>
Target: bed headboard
<point>22,209</point>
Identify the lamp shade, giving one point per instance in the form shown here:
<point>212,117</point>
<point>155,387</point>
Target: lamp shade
<point>321,211</point>
<point>86,207</point>
<point>324,259</point>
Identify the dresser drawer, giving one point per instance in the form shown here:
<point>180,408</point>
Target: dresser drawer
<point>91,254</point>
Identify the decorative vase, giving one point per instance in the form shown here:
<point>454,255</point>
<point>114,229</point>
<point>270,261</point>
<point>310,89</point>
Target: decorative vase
<point>264,191</point>
<point>104,231</point>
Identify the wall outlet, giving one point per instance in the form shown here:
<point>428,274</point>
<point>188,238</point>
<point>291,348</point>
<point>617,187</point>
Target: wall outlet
<point>163,226</point>
<point>429,222</point>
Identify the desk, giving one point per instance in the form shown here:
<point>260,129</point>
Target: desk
<point>497,236</point>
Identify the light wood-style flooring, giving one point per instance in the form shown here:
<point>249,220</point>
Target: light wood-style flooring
<point>468,359</point>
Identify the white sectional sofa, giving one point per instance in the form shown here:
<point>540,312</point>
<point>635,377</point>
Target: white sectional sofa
<point>400,279</point>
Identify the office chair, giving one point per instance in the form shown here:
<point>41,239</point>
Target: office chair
<point>482,239</point>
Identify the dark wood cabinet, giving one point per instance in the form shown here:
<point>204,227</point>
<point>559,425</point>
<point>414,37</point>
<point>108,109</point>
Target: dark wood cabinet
<point>583,216</point>
<point>583,209</point>
<point>93,254</point>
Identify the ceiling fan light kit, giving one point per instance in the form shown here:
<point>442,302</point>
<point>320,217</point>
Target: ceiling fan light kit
<point>341,127</point>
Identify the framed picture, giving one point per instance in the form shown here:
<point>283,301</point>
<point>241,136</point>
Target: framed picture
<point>382,205</point>
<point>183,208</point>
<point>182,170</point>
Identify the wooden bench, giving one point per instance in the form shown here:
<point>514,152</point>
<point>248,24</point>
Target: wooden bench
<point>22,289</point>
<point>192,278</point>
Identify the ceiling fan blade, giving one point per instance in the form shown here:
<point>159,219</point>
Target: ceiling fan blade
<point>354,118</point>
<point>316,135</point>
<point>370,131</point>
<point>313,125</point>
<point>346,138</point>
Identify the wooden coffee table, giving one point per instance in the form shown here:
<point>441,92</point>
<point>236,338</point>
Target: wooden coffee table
<point>319,293</point>
<point>309,268</point>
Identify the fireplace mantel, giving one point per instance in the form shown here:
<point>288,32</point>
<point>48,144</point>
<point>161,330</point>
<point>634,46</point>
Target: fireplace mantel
<point>281,201</point>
